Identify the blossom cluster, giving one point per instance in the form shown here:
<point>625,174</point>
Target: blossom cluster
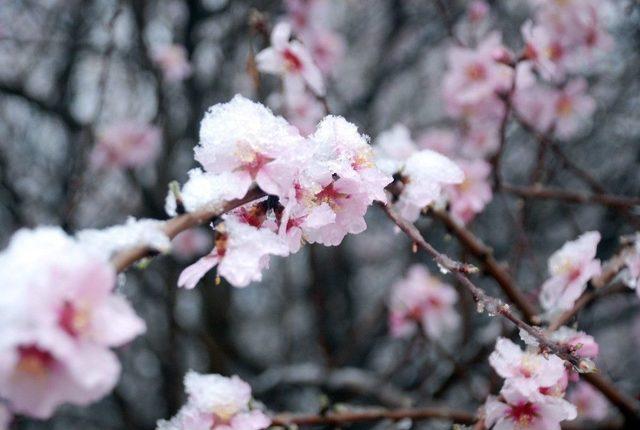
<point>533,394</point>
<point>216,402</point>
<point>305,62</point>
<point>425,176</point>
<point>59,320</point>
<point>422,300</point>
<point>319,187</point>
<point>570,268</point>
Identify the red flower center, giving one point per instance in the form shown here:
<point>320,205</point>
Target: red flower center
<point>73,319</point>
<point>34,360</point>
<point>292,60</point>
<point>523,413</point>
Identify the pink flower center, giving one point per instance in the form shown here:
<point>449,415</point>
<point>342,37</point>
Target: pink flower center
<point>72,319</point>
<point>476,72</point>
<point>255,164</point>
<point>34,360</point>
<point>564,106</point>
<point>523,413</point>
<point>330,196</point>
<point>292,61</point>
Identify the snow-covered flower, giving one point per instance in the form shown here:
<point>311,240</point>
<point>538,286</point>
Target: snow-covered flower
<point>571,267</point>
<point>241,251</point>
<point>423,173</point>
<point>589,402</point>
<point>244,138</point>
<point>527,371</point>
<point>585,345</point>
<point>60,317</point>
<point>172,60</point>
<point>292,61</point>
<point>516,411</point>
<point>469,198</point>
<point>126,145</point>
<point>216,402</point>
<point>422,300</point>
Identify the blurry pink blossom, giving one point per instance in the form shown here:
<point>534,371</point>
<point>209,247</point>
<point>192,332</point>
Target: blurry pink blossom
<point>631,275</point>
<point>172,60</point>
<point>422,300</point>
<point>573,108</point>
<point>60,317</point>
<point>216,402</point>
<point>471,196</point>
<point>571,267</point>
<point>440,140</point>
<point>291,60</point>
<point>190,243</point>
<point>584,344</point>
<point>589,402</point>
<point>127,145</point>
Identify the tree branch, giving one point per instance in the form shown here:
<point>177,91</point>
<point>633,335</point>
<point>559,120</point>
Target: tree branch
<point>550,193</point>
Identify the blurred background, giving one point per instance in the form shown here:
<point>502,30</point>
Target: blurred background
<point>314,332</point>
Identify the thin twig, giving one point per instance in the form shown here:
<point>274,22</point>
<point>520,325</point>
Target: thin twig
<point>175,225</point>
<point>551,193</point>
<point>341,418</point>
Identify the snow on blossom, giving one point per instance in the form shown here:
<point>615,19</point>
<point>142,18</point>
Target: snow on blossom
<point>526,370</point>
<point>141,232</point>
<point>209,191</point>
<point>515,411</point>
<point>189,243</point>
<point>631,273</point>
<point>589,402</point>
<point>469,198</point>
<point>216,402</point>
<point>423,173</point>
<point>126,144</point>
<point>421,299</point>
<point>59,319</point>
<point>245,139</point>
<point>292,61</point>
<point>241,251</point>
<point>474,75</point>
<point>172,60</point>
<point>571,267</point>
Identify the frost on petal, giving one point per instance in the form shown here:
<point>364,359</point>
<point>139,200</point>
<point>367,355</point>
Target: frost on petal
<point>143,232</point>
<point>393,147</point>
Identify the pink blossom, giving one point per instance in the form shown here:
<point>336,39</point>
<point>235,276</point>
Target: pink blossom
<point>536,105</point>
<point>474,75</point>
<point>477,10</point>
<point>571,267</point>
<point>127,145</point>
<point>291,60</point>
<point>422,300</point>
<point>515,411</point>
<point>241,252</point>
<point>584,344</point>
<point>527,371</point>
<point>172,60</point>
<point>216,402</point>
<point>545,50</point>
<point>471,196</point>
<point>590,403</point>
<point>440,140</point>
<point>246,140</point>
<point>305,112</point>
<point>60,317</point>
<point>190,243</point>
<point>573,107</point>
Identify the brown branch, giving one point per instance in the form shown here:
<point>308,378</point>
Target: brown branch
<point>172,227</point>
<point>483,253</point>
<point>491,305</point>
<point>348,417</point>
<point>550,193</point>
